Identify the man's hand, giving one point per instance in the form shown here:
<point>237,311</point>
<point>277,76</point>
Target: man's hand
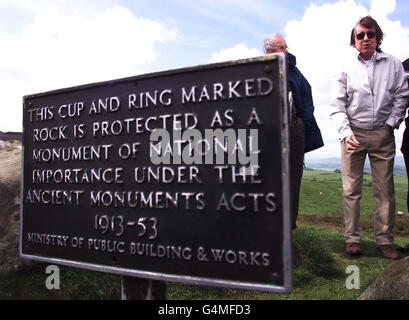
<point>351,143</point>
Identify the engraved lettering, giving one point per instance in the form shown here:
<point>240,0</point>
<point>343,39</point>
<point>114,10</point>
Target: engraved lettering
<point>80,153</point>
<point>78,175</point>
<point>147,99</point>
<point>53,134</point>
<point>180,174</point>
<point>148,200</point>
<point>249,202</point>
<point>140,125</point>
<point>188,98</point>
<point>71,110</point>
<point>234,89</point>
<point>103,245</point>
<point>241,257</point>
<point>109,104</point>
<point>54,197</point>
<point>41,114</point>
<point>161,251</point>
<point>48,239</point>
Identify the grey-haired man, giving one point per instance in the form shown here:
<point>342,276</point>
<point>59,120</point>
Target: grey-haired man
<point>305,135</point>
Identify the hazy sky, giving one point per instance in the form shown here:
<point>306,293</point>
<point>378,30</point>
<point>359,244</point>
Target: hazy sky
<point>52,44</point>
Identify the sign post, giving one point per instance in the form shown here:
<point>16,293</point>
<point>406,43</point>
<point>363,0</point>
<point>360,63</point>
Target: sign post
<point>133,288</point>
<point>178,176</point>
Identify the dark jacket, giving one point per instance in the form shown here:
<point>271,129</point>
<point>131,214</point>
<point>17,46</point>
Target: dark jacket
<point>405,140</point>
<point>305,106</point>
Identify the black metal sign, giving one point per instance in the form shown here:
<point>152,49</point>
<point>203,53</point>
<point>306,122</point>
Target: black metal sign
<point>177,176</point>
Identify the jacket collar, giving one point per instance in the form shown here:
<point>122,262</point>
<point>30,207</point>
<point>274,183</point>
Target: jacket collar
<point>378,55</point>
<point>292,60</point>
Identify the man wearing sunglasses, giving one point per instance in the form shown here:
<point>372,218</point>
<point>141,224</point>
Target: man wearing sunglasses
<point>370,98</point>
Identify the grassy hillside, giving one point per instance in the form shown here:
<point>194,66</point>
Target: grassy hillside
<point>320,262</point>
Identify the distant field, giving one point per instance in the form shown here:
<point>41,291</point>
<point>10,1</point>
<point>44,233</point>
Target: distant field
<point>323,193</point>
<point>331,164</point>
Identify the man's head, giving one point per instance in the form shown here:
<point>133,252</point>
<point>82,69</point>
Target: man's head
<point>274,43</point>
<point>367,37</point>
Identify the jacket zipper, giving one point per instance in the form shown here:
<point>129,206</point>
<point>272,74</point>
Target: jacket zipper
<point>372,95</point>
<point>373,110</point>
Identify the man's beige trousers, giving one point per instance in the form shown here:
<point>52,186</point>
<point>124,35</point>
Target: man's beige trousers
<point>379,145</point>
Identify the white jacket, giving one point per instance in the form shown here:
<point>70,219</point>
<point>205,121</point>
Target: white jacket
<point>356,104</point>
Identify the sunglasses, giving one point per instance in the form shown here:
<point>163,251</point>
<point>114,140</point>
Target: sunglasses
<point>370,34</point>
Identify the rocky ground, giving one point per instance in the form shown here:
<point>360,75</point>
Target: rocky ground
<point>392,283</point>
<point>10,179</point>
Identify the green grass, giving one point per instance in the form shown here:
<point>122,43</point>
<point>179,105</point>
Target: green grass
<point>74,284</point>
<point>321,191</point>
<point>320,261</point>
